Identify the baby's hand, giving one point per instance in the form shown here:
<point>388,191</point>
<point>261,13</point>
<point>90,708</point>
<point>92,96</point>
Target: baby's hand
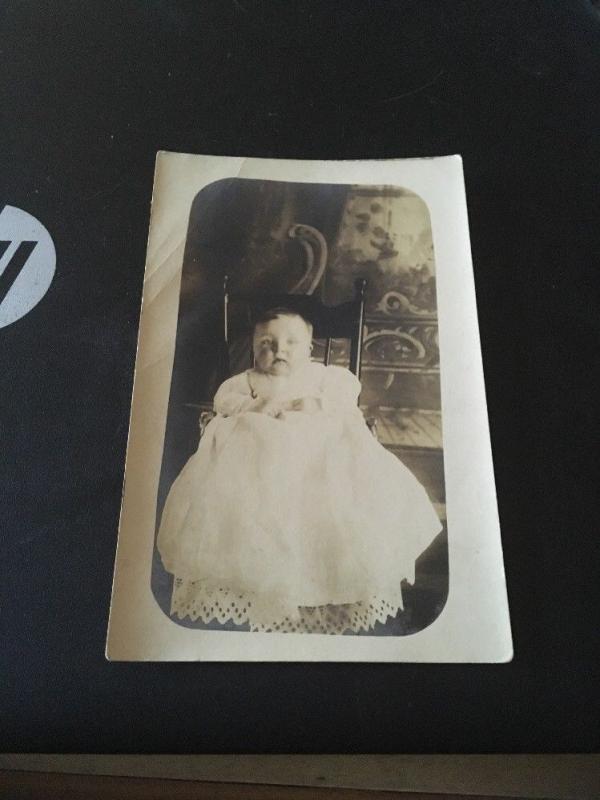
<point>267,406</point>
<point>309,405</point>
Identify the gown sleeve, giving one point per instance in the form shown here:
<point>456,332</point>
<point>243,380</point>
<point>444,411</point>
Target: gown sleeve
<point>233,396</point>
<point>341,389</point>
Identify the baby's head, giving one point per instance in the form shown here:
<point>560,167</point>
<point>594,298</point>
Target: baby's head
<point>281,342</point>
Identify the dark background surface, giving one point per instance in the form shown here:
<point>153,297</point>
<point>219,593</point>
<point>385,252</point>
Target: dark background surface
<point>90,92</point>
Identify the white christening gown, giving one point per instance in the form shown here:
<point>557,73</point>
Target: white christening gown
<point>300,524</point>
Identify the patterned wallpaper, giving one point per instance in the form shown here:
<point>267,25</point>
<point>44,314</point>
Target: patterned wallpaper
<point>385,236</point>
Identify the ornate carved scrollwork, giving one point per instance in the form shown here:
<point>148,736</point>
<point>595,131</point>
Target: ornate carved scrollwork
<point>394,303</point>
<point>408,345</point>
<point>315,248</point>
<point>395,345</point>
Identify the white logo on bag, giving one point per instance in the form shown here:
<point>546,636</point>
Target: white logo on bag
<point>27,263</point>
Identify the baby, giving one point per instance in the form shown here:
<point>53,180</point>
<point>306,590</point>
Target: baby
<point>282,344</point>
<point>291,517</point>
<point>283,379</point>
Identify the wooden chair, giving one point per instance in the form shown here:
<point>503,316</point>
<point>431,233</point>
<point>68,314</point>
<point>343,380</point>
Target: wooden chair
<point>344,321</point>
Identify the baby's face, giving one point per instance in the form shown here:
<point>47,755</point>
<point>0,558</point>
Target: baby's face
<point>281,345</point>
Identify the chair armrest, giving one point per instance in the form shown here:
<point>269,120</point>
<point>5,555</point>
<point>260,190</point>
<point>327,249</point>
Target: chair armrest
<point>205,418</point>
<point>372,425</point>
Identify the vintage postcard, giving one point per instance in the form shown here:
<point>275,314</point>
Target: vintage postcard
<point>309,472</point>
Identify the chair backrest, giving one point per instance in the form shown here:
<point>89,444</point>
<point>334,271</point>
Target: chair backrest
<point>344,321</point>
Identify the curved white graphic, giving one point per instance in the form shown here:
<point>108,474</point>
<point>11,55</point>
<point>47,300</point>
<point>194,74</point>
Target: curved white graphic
<point>27,263</point>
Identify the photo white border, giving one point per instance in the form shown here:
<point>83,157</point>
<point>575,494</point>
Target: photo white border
<point>474,626</point>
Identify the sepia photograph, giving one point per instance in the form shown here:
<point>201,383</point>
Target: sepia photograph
<point>287,481</point>
<point>302,483</point>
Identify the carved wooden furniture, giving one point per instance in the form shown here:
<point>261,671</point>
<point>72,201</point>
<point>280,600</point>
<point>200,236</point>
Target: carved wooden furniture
<point>397,355</point>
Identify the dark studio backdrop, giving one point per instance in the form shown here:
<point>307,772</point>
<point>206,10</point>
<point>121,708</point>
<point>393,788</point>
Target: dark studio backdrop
<point>90,92</point>
<point>310,239</point>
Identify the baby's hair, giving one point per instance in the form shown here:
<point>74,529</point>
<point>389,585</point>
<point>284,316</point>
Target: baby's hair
<point>276,313</point>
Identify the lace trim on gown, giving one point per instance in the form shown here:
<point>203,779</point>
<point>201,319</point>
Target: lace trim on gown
<point>196,600</point>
